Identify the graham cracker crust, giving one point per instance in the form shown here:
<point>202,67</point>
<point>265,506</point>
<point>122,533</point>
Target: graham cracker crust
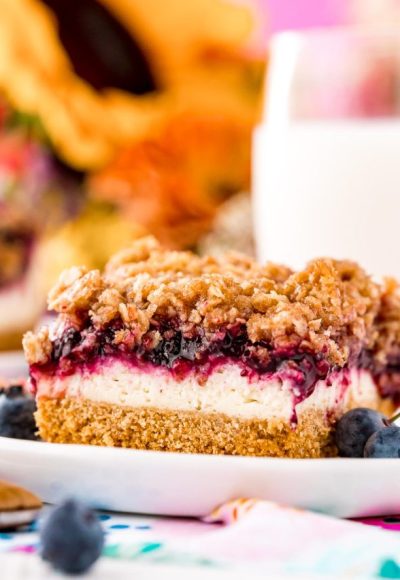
<point>72,420</point>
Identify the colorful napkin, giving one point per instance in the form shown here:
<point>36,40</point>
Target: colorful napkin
<point>248,535</point>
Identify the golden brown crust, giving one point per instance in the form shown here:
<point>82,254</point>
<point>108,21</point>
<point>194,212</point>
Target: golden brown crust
<point>81,421</point>
<point>328,307</point>
<point>14,498</point>
<point>86,422</point>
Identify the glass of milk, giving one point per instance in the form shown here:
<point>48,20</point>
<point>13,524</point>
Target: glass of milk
<point>326,158</point>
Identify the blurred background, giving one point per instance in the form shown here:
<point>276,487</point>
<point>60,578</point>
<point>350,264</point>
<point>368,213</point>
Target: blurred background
<point>121,117</point>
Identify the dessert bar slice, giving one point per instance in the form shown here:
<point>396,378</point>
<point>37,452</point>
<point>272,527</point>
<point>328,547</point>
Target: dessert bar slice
<point>170,351</point>
<point>22,299</point>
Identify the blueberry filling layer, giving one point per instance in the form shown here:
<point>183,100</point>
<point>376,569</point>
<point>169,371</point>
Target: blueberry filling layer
<point>180,354</point>
<point>166,346</point>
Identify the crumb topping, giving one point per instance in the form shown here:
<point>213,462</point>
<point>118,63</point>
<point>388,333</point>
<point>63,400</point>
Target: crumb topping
<point>37,346</point>
<point>328,307</point>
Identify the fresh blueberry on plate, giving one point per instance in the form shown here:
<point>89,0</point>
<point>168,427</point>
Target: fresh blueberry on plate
<point>384,443</point>
<point>17,414</point>
<point>355,428</point>
<point>71,538</point>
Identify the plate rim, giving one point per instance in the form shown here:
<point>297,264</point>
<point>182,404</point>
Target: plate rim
<point>10,445</point>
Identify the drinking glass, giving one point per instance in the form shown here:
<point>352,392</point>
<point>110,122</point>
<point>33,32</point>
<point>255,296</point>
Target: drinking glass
<point>326,161</point>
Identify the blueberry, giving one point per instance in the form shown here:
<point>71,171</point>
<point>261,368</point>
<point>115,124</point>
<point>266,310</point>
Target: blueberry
<point>64,345</point>
<point>13,391</point>
<point>71,537</point>
<point>167,351</point>
<point>354,429</point>
<point>233,346</point>
<point>384,443</point>
<point>17,415</point>
<point>190,347</point>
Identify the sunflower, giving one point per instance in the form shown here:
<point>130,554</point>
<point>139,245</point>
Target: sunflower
<point>101,74</point>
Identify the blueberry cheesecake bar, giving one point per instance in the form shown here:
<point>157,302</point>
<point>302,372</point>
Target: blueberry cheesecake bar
<point>21,297</point>
<point>169,351</point>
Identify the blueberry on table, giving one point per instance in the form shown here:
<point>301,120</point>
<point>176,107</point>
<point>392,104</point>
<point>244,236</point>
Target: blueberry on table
<point>384,443</point>
<point>355,428</point>
<point>71,538</point>
<point>17,414</point>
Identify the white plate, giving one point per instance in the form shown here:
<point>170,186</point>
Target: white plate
<point>192,485</point>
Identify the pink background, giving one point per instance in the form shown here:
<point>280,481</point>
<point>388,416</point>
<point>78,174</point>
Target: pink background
<point>300,14</point>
